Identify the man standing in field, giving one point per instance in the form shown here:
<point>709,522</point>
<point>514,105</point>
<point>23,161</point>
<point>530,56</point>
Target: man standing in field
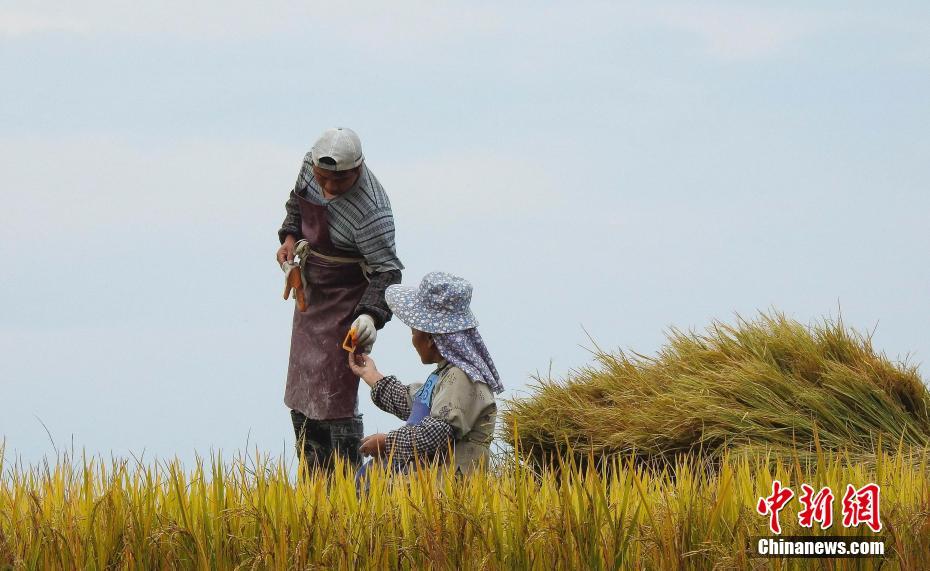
<point>339,221</point>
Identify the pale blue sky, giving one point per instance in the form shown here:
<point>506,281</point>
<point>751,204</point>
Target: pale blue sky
<point>617,167</point>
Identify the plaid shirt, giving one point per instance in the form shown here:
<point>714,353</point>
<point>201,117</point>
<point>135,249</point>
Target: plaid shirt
<point>361,223</point>
<point>429,439</point>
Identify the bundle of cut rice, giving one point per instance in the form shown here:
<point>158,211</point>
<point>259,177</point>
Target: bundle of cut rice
<point>765,384</point>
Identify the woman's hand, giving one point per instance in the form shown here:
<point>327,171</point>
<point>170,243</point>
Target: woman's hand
<point>364,367</point>
<point>374,445</point>
<point>286,252</point>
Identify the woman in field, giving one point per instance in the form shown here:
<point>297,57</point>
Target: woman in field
<point>455,405</point>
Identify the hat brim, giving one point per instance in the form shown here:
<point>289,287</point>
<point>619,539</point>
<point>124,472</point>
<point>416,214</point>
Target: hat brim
<point>315,161</point>
<point>406,304</point>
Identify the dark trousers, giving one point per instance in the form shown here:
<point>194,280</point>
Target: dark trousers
<point>319,441</point>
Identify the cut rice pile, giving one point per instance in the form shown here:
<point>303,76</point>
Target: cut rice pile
<point>770,384</point>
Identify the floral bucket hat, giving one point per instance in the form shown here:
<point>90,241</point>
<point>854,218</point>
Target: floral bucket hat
<point>440,304</point>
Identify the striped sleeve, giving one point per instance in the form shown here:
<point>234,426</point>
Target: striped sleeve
<point>291,224</point>
<point>374,238</point>
<point>373,302</point>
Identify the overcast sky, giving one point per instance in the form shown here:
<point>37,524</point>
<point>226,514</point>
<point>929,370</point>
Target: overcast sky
<point>615,167</point>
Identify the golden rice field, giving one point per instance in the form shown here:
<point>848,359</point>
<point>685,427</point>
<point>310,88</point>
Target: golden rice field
<point>631,463</point>
<point>251,513</point>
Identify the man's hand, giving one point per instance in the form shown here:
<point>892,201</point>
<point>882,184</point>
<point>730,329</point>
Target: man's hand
<point>286,251</point>
<point>364,367</point>
<point>365,332</point>
<point>374,445</point>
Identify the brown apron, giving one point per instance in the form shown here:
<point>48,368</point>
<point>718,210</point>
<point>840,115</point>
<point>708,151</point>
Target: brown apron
<point>319,382</point>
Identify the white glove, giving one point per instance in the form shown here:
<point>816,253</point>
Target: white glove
<point>365,332</point>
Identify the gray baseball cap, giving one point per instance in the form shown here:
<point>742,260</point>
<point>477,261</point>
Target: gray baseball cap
<point>337,149</point>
